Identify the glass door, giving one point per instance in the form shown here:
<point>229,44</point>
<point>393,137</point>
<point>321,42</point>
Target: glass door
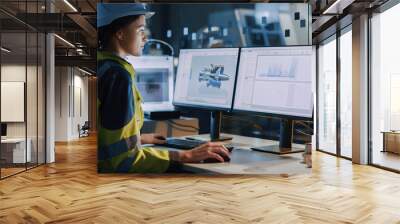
<point>22,77</point>
<point>14,154</point>
<point>345,42</point>
<point>327,96</point>
<point>385,89</point>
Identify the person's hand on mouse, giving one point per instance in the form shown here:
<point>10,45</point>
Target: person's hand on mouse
<point>205,151</point>
<point>153,138</point>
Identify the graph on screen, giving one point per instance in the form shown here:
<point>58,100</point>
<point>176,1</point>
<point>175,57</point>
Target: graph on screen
<point>276,66</point>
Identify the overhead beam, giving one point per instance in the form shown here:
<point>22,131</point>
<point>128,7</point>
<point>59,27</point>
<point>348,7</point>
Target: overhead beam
<point>89,30</point>
<point>81,61</point>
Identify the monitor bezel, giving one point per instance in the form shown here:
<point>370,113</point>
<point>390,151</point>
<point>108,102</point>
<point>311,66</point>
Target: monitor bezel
<point>204,107</point>
<point>266,114</point>
<point>3,126</point>
<point>282,116</point>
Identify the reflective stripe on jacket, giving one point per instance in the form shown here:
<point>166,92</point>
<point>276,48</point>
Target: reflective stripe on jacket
<point>120,118</point>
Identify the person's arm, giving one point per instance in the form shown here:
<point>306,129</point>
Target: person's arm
<point>118,134</point>
<point>153,138</point>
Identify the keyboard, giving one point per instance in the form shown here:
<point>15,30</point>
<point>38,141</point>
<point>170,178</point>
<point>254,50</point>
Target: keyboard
<point>187,144</point>
<point>182,143</point>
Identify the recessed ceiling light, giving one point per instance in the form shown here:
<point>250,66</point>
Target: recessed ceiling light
<point>70,5</point>
<point>5,50</point>
<point>338,6</point>
<point>86,72</point>
<point>64,40</point>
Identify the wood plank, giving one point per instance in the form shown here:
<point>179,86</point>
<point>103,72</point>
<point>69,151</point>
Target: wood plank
<point>71,191</point>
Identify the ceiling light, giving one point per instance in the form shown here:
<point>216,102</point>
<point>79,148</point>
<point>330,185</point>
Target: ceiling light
<point>5,50</point>
<point>70,5</point>
<point>326,11</point>
<point>86,72</point>
<point>338,6</point>
<point>64,40</point>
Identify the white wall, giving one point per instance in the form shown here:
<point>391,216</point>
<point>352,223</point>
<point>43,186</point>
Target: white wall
<point>70,84</point>
<point>61,103</point>
<point>80,94</point>
<point>16,72</point>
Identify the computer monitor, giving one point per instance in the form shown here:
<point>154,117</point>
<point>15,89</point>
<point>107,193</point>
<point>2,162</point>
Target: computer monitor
<point>276,81</point>
<point>205,80</point>
<point>3,130</point>
<point>155,81</point>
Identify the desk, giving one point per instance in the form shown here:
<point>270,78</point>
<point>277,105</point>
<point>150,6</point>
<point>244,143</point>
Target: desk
<point>175,127</point>
<point>246,161</point>
<point>13,150</point>
<point>391,141</point>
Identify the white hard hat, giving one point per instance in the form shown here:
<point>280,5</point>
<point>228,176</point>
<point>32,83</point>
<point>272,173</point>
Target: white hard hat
<point>108,12</point>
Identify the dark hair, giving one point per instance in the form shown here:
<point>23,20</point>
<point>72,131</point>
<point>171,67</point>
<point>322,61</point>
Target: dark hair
<point>105,33</point>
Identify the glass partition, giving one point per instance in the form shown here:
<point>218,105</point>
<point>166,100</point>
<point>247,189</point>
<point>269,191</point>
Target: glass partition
<point>22,88</point>
<point>41,96</point>
<point>327,96</point>
<point>14,144</point>
<point>346,93</point>
<point>385,89</point>
<point>31,98</point>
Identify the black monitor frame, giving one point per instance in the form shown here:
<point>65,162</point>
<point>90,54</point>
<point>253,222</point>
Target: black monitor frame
<point>3,129</point>
<point>263,114</point>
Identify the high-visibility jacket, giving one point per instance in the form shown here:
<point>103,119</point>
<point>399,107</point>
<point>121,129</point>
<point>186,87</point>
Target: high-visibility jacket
<point>120,118</point>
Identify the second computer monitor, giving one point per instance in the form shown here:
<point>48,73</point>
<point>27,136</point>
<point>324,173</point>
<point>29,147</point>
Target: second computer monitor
<point>276,80</point>
<point>154,79</point>
<point>206,78</point>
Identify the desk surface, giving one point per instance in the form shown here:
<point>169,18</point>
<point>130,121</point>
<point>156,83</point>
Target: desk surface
<point>13,140</point>
<point>246,161</point>
<point>390,132</point>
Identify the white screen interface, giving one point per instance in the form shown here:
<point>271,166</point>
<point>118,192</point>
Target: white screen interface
<point>276,81</point>
<point>206,77</point>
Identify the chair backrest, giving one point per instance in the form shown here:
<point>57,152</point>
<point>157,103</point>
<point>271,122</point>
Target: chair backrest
<point>86,125</point>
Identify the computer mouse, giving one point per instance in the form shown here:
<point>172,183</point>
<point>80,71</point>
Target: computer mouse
<point>230,148</point>
<point>213,160</point>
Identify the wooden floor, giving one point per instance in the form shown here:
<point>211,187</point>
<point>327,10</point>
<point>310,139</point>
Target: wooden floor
<point>387,159</point>
<point>70,191</point>
<point>10,171</point>
<point>5,172</point>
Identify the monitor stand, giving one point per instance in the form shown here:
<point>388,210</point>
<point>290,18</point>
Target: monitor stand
<point>215,129</point>
<point>285,141</point>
